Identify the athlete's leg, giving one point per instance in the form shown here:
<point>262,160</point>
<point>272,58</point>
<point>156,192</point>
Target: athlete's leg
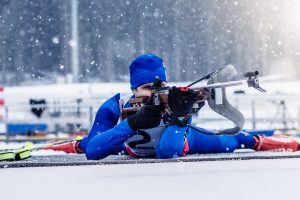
<point>171,143</point>
<point>108,142</point>
<point>200,142</point>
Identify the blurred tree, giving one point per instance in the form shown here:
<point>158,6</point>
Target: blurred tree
<point>193,37</point>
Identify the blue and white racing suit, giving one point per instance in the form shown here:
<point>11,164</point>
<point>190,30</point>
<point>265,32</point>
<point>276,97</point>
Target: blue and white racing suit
<point>109,136</point>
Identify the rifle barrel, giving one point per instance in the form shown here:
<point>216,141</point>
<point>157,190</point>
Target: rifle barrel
<point>221,85</point>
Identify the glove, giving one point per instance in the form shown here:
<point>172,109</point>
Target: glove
<point>181,102</point>
<point>148,116</point>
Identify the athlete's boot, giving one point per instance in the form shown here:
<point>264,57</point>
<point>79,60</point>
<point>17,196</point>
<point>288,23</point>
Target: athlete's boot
<point>275,143</point>
<point>68,147</point>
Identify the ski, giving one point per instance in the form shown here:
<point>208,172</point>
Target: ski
<point>7,156</point>
<point>25,151</point>
<point>16,154</point>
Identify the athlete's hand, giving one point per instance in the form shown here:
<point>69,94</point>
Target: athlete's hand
<point>181,102</point>
<point>148,116</point>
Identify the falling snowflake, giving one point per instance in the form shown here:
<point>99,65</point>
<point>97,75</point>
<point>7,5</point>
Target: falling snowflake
<point>55,40</point>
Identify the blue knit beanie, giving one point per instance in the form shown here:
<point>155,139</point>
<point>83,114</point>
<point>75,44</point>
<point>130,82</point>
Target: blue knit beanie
<point>145,68</point>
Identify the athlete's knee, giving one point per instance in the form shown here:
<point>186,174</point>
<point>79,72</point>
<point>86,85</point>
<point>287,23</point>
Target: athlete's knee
<point>90,154</point>
<point>95,153</point>
<point>169,151</point>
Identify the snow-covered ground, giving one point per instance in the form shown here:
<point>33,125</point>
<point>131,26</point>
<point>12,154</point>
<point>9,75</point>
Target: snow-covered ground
<point>247,180</point>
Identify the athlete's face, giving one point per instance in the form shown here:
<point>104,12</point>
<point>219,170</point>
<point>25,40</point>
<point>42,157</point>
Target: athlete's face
<point>145,90</point>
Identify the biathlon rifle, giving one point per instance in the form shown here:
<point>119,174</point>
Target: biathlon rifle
<point>214,92</point>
